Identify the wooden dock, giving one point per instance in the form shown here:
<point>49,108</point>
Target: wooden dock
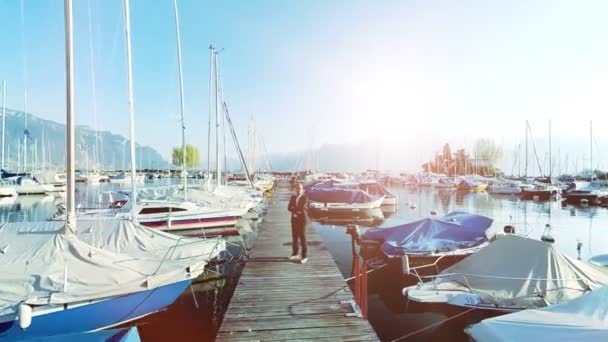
<point>277,299</point>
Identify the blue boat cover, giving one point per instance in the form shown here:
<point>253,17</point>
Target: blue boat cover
<point>376,189</point>
<point>334,195</point>
<point>469,183</point>
<point>454,231</point>
<point>322,184</point>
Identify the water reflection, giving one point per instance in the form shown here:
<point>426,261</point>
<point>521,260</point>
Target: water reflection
<point>569,226</point>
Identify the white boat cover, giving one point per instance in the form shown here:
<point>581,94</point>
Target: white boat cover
<point>581,319</point>
<point>136,240</point>
<point>40,265</point>
<point>521,272</point>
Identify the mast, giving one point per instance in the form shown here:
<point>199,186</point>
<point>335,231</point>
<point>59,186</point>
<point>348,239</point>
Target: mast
<point>221,97</point>
<point>25,132</point>
<point>70,227</point>
<point>526,163</point>
<point>220,90</point>
<point>93,90</point>
<point>218,173</point>
<point>211,54</point>
<point>591,146</point>
<point>3,118</point>
<point>130,103</point>
<point>550,161</point>
<point>181,98</point>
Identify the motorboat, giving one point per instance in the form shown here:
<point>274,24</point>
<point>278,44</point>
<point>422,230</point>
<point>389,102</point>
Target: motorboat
<point>445,183</point>
<point>374,188</point>
<point>25,185</point>
<point>57,180</point>
<point>512,273</point>
<point>540,192</point>
<point>590,194</point>
<point>336,199</point>
<point>582,319</point>
<point>427,245</point>
<point>470,184</point>
<point>125,178</point>
<point>505,188</point>
<point>8,191</point>
<point>175,216</point>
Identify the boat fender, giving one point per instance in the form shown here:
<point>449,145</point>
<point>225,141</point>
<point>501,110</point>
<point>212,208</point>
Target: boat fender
<point>405,264</point>
<point>584,202</point>
<point>433,212</point>
<point>25,316</point>
<point>535,198</point>
<point>509,229</point>
<point>547,237</point>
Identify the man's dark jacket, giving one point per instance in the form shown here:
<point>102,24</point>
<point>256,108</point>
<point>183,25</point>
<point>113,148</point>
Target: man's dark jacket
<point>297,210</point>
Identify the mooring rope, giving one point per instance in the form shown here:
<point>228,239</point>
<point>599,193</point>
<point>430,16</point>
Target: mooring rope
<point>432,325</point>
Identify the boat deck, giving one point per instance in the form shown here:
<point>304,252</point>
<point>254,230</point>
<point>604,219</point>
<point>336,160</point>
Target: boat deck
<point>277,299</point>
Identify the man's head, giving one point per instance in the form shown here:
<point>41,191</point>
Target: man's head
<point>299,189</point>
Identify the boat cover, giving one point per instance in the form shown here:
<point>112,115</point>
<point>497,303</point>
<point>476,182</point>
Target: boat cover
<point>340,196</point>
<point>40,265</point>
<point>523,273</point>
<point>323,184</point>
<point>376,189</point>
<point>581,319</point>
<point>469,183</point>
<point>454,231</point>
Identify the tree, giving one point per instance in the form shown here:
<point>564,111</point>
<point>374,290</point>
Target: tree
<point>192,156</point>
<point>488,153</point>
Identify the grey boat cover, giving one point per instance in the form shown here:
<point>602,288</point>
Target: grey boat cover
<point>581,319</point>
<point>521,272</point>
<point>41,265</point>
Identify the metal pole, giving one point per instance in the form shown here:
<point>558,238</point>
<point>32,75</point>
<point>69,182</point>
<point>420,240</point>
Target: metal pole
<point>3,118</point>
<point>70,227</point>
<point>211,54</point>
<point>526,163</point>
<point>25,133</point>
<point>181,98</point>
<point>221,97</point>
<point>364,290</point>
<point>218,172</point>
<point>591,146</point>
<point>130,103</point>
<point>550,162</point>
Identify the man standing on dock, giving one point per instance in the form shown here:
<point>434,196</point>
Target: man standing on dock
<point>297,203</point>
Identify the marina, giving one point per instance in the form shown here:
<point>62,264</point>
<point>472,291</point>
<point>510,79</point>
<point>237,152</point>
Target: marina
<point>279,299</point>
<point>302,171</point>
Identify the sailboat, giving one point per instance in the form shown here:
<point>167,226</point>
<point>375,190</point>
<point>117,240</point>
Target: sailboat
<point>542,189</point>
<point>56,283</point>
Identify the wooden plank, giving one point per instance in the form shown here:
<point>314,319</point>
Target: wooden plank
<point>278,299</point>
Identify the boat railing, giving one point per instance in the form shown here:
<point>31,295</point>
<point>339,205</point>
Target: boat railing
<point>466,276</point>
<point>168,255</point>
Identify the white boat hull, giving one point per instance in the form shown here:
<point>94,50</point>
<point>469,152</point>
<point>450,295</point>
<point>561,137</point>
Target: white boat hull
<point>345,206</point>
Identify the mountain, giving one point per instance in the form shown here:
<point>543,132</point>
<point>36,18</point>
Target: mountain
<point>46,146</point>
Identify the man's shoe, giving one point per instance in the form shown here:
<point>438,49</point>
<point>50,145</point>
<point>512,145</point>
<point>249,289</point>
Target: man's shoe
<point>293,257</point>
<point>303,261</point>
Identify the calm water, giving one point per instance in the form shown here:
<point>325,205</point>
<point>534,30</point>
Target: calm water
<point>387,314</point>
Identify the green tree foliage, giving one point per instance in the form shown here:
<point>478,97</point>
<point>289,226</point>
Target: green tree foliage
<point>192,156</point>
<point>488,151</point>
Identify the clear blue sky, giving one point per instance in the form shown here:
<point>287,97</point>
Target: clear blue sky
<point>339,70</point>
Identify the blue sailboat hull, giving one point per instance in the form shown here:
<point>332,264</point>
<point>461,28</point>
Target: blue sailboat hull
<point>96,315</point>
<point>113,335</point>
